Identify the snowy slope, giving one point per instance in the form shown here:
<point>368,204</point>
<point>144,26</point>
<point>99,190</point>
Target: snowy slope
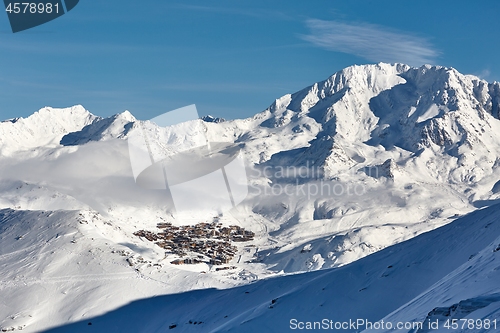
<point>62,266</point>
<point>367,289</point>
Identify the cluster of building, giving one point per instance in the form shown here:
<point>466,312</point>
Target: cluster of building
<point>203,242</point>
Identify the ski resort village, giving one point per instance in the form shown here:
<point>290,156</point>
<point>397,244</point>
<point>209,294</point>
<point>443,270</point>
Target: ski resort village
<point>204,242</point>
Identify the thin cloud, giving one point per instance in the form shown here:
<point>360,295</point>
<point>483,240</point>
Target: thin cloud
<point>484,74</point>
<point>369,41</point>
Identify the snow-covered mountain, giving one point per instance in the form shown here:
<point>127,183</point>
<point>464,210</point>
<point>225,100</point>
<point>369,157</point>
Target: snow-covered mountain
<point>43,128</point>
<point>423,141</point>
<point>373,156</point>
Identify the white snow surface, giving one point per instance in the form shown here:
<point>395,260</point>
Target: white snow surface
<point>454,264</point>
<point>397,152</point>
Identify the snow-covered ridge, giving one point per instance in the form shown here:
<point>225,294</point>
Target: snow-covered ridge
<point>43,127</point>
<point>114,127</point>
<point>50,127</point>
<point>358,103</point>
<point>212,119</point>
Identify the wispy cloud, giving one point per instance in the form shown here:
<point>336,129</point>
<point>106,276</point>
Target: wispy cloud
<point>372,42</point>
<point>484,74</point>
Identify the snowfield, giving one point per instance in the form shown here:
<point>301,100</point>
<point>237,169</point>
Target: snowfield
<point>373,194</point>
<point>402,283</point>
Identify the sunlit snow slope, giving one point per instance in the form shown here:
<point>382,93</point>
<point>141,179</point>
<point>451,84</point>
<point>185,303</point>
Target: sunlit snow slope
<point>455,264</point>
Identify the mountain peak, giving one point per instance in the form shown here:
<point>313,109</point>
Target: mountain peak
<point>44,127</point>
<point>389,109</point>
<point>212,119</point>
<point>114,127</point>
<point>126,115</point>
<point>75,110</point>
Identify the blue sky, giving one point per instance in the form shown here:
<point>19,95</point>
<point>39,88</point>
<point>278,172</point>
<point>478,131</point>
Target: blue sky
<point>230,58</point>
